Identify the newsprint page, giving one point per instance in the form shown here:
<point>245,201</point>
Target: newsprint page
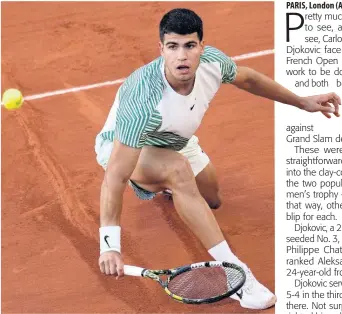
<point>308,160</point>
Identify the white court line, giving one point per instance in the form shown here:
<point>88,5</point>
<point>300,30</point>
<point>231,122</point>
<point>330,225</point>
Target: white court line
<point>119,81</point>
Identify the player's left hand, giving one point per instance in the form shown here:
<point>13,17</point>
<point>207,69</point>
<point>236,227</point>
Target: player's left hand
<point>326,103</point>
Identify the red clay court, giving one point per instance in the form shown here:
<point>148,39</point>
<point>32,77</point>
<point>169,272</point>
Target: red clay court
<point>50,178</point>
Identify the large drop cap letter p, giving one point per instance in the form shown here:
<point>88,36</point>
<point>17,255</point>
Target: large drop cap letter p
<point>288,28</point>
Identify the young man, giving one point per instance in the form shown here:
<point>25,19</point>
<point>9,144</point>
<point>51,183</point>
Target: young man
<point>148,140</point>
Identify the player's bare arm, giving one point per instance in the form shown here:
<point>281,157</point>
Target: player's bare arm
<point>120,167</point>
<point>261,85</point>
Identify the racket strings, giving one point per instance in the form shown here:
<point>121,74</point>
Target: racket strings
<point>234,277</point>
<point>205,283</point>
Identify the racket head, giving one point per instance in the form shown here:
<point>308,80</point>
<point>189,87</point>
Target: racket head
<point>205,282</point>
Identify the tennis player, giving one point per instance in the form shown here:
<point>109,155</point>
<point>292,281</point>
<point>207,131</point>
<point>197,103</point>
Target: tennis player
<point>148,140</point>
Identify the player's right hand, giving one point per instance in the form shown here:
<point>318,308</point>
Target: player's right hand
<point>111,263</point>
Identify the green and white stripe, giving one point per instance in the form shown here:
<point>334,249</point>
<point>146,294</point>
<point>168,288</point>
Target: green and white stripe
<point>139,97</point>
<point>162,139</point>
<point>227,65</point>
<point>108,135</point>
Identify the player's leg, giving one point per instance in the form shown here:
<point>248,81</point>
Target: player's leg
<point>208,186</point>
<point>159,169</point>
<point>204,172</point>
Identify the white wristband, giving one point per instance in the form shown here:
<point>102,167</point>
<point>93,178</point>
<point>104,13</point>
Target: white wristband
<point>110,239</point>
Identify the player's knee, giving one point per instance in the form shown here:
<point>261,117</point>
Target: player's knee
<point>215,204</point>
<point>181,172</point>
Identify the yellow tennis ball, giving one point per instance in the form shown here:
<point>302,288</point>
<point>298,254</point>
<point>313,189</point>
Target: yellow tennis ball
<point>12,99</point>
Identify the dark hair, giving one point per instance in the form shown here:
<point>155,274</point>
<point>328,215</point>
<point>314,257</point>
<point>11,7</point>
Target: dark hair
<point>182,22</point>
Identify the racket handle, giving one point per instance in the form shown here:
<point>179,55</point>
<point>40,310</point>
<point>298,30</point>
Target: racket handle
<point>133,270</point>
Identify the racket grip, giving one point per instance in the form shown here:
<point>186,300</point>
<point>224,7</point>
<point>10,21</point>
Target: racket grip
<point>133,270</point>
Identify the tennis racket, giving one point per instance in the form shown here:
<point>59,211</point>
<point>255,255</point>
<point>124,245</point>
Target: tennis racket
<point>197,283</point>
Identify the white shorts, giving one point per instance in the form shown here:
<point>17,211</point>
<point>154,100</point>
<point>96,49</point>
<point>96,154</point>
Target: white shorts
<point>192,151</point>
<point>197,158</point>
